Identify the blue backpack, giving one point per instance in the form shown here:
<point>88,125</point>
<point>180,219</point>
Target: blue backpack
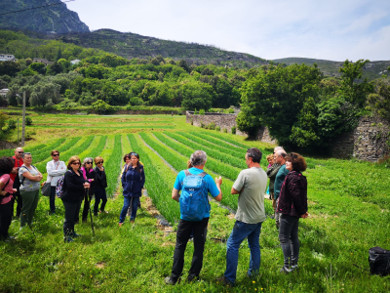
<point>194,203</point>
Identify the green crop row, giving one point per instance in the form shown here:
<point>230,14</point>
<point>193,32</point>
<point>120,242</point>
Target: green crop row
<point>172,151</point>
<point>215,151</point>
<point>215,165</point>
<point>213,142</point>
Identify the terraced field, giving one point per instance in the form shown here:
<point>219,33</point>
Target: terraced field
<point>349,206</point>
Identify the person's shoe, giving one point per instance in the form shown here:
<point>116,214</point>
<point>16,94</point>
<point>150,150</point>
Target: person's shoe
<point>103,212</point>
<point>285,270</point>
<point>132,221</point>
<point>170,281</point>
<point>192,278</point>
<point>75,235</point>
<point>9,239</point>
<point>68,239</point>
<point>222,280</point>
<point>294,268</point>
<point>120,224</point>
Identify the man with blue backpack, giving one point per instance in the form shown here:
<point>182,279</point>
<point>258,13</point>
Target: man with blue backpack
<point>194,184</point>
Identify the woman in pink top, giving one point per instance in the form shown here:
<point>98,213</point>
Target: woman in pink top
<point>6,198</point>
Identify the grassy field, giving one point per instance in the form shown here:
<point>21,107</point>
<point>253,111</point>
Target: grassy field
<point>349,203</point>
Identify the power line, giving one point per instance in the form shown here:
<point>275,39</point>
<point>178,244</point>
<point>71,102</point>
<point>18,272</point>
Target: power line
<point>37,7</point>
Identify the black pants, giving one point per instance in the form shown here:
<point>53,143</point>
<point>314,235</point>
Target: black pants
<point>6,212</point>
<point>52,199</point>
<point>100,194</point>
<point>18,200</point>
<point>184,230</point>
<point>288,237</point>
<point>72,209</point>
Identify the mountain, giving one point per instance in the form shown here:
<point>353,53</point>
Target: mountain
<point>131,45</point>
<point>44,16</point>
<point>371,70</point>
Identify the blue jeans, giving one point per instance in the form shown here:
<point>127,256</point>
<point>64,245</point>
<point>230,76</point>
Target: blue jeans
<point>134,202</point>
<point>240,232</point>
<point>288,237</point>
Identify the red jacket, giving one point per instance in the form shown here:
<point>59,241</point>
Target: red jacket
<point>17,163</point>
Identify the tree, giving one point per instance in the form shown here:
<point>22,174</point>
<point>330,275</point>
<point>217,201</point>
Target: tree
<point>379,102</point>
<point>352,87</point>
<point>9,68</point>
<point>42,92</point>
<point>304,133</point>
<point>274,97</point>
<point>38,67</point>
<point>196,95</point>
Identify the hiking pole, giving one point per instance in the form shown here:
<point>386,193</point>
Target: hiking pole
<point>90,211</point>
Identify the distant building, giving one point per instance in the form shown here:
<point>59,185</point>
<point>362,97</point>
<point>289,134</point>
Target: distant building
<point>42,60</point>
<point>7,57</point>
<point>4,92</point>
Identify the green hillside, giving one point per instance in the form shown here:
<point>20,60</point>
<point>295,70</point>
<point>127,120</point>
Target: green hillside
<point>131,45</point>
<point>371,70</point>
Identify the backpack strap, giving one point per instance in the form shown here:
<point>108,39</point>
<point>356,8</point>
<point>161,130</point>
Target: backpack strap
<point>200,174</point>
<point>21,182</point>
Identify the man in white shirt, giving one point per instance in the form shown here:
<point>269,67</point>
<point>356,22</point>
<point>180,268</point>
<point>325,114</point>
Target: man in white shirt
<point>55,169</point>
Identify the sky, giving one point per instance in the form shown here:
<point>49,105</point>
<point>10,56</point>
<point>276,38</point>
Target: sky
<point>271,29</point>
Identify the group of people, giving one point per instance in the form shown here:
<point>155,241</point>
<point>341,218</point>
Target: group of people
<point>20,182</point>
<point>290,187</point>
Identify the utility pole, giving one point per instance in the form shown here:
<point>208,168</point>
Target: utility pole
<point>24,118</point>
<point>18,129</point>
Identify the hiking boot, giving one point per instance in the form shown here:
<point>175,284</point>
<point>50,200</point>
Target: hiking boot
<point>294,267</point>
<point>170,281</point>
<point>75,235</point>
<point>192,278</point>
<point>68,239</point>
<point>225,281</point>
<point>285,270</point>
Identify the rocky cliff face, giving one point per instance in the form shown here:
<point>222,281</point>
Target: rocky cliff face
<point>41,16</point>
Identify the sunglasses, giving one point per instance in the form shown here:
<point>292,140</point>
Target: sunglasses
<point>21,152</point>
<point>55,155</point>
<point>99,163</point>
<point>88,162</point>
<point>75,163</point>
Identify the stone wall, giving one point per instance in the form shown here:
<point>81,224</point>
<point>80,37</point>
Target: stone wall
<point>224,121</point>
<point>264,135</point>
<point>369,141</point>
<point>372,138</point>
